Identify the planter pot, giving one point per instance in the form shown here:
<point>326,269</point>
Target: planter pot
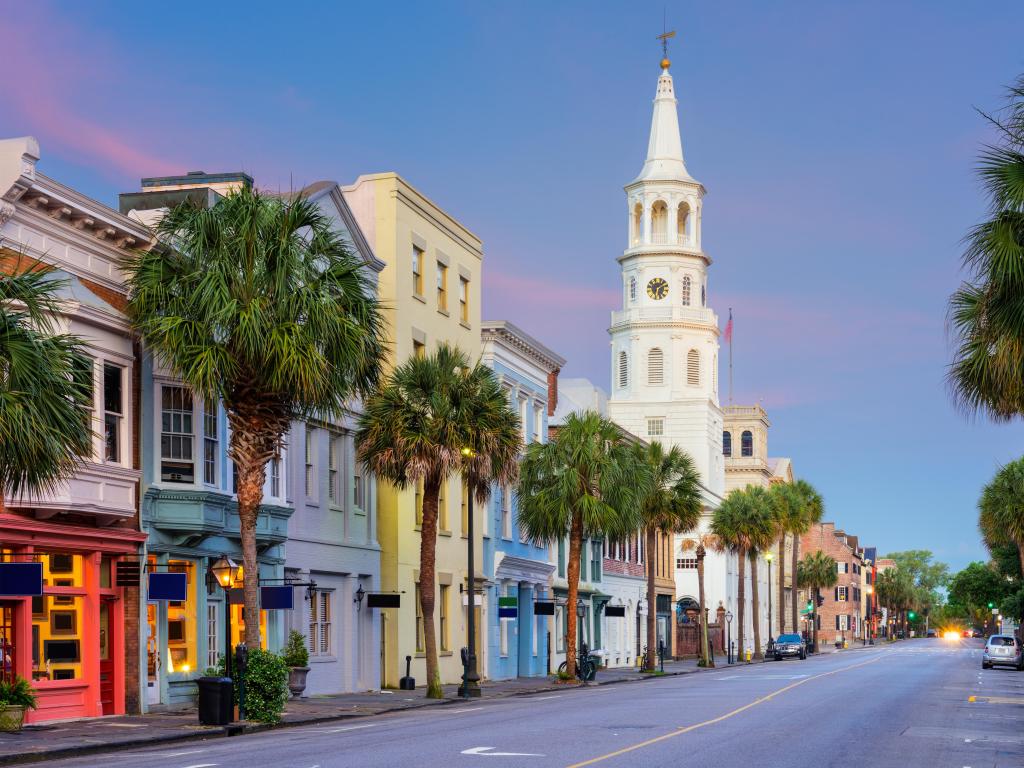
<point>12,717</point>
<point>297,680</point>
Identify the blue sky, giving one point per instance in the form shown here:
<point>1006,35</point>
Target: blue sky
<point>836,141</point>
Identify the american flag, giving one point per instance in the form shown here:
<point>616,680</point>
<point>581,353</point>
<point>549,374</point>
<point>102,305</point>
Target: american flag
<point>728,329</point>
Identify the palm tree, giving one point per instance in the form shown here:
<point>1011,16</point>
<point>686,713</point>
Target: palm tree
<point>985,313</point>
<point>258,302</point>
<point>1001,508</point>
<point>815,571</point>
<point>761,529</point>
<point>434,417</point>
<point>700,545</point>
<point>895,590</point>
<point>798,506</point>
<point>672,505</point>
<point>45,386</point>
<point>586,483</point>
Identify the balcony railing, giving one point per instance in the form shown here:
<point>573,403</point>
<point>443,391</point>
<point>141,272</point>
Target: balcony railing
<point>665,314</point>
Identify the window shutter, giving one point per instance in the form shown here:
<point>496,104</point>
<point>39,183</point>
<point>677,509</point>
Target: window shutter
<point>837,594</point>
<point>655,367</point>
<point>623,369</point>
<point>693,368</point>
<point>837,621</point>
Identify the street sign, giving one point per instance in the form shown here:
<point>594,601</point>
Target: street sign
<point>508,607</point>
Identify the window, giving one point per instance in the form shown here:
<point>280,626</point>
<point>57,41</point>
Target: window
<point>210,442</point>
<point>843,622</point>
<point>595,562</point>
<point>213,649</point>
<point>442,287</point>
<point>693,368</point>
<point>275,476</point>
<point>655,427</point>
<point>442,614</point>
<point>419,349</point>
<point>623,370</point>
<point>420,644</point>
<point>841,594</point>
<point>333,467</point>
<point>640,549</point>
<point>685,292</point>
<point>559,629</point>
<point>320,623</point>
<point>561,558</point>
<point>176,462</point>
<point>632,289</point>
<point>465,510</point>
<point>523,408</point>
<point>417,270</point>
<point>655,367</point>
<point>727,443</point>
<point>418,501</point>
<point>686,563</point>
<point>464,299</point>
<point>357,486</point>
<point>113,410</point>
<point>842,567</point>
<point>442,505</point>
<point>538,422</point>
<point>506,512</point>
<point>310,461</point>
<point>747,443</point>
<point>181,622</point>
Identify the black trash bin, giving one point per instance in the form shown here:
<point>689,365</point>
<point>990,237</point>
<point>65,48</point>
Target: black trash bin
<point>216,700</point>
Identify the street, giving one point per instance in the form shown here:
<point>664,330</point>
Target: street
<point>904,705</point>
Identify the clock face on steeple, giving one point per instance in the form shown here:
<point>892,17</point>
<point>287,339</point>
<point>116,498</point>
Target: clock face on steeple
<point>657,289</point>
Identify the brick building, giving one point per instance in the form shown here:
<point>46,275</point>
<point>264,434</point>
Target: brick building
<point>841,614</point>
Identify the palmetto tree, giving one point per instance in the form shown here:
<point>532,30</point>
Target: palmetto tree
<point>45,386</point>
<point>761,530</point>
<point>986,314</point>
<point>798,506</point>
<point>258,302</point>
<point>434,417</point>
<point>895,590</point>
<point>700,544</point>
<point>586,483</point>
<point>1001,509</point>
<point>672,505</point>
<point>815,571</point>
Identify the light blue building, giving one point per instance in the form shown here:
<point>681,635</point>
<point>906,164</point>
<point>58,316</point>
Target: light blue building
<point>515,567</point>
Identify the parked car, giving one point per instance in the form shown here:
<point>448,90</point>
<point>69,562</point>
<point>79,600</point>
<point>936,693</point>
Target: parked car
<point>1004,650</point>
<point>790,645</point>
<point>931,633</point>
<point>977,633</point>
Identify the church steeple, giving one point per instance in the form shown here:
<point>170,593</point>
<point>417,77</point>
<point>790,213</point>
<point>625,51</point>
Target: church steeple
<point>665,148</point>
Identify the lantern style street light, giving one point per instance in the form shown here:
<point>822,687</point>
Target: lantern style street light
<point>728,642</point>
<point>227,573</point>
<point>771,640</point>
<point>470,687</point>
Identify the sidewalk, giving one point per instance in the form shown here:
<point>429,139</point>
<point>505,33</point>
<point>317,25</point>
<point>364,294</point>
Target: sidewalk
<point>81,737</point>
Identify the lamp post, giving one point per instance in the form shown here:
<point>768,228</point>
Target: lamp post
<point>728,641</point>
<point>771,641</point>
<point>581,611</point>
<point>869,614</point>
<point>226,572</point>
<point>470,688</point>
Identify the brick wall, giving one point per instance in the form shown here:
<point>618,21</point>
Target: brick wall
<point>824,537</point>
<point>620,559</point>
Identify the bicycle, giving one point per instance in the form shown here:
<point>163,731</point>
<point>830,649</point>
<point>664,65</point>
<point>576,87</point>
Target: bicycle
<point>586,665</point>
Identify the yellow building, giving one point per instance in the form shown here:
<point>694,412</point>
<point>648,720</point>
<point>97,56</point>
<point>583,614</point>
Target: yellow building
<point>430,288</point>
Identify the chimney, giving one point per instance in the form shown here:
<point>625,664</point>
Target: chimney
<point>553,391</point>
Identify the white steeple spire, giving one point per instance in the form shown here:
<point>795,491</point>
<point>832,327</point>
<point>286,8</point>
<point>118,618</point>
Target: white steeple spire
<point>665,148</point>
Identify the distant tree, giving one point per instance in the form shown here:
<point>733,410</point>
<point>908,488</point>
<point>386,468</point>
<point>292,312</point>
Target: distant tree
<point>927,578</point>
<point>975,587</point>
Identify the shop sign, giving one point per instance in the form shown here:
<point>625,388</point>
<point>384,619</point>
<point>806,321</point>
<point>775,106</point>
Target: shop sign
<point>21,579</point>
<point>127,573</point>
<point>279,598</point>
<point>383,600</point>
<point>615,610</point>
<point>168,586</point>
<point>508,607</point>
<point>544,608</point>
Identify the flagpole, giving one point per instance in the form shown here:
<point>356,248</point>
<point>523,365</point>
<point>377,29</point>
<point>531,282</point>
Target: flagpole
<point>730,355</point>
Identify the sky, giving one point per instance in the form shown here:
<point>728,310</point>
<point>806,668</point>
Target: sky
<point>836,140</point>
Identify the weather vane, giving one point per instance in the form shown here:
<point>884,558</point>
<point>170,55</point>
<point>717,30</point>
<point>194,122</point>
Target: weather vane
<point>665,36</point>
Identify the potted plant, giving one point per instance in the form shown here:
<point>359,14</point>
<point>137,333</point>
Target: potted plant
<point>15,697</point>
<point>296,656</point>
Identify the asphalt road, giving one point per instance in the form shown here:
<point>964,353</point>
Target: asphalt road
<point>906,705</point>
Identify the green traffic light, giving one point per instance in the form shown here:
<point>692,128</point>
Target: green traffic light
<point>991,605</point>
<point>911,615</point>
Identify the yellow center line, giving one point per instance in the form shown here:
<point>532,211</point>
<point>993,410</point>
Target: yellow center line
<point>720,718</point>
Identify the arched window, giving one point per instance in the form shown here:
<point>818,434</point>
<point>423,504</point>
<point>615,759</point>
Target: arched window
<point>659,222</point>
<point>686,291</point>
<point>655,367</point>
<point>747,443</point>
<point>727,443</point>
<point>632,289</point>
<point>693,368</point>
<point>623,370</point>
<point>682,223</point>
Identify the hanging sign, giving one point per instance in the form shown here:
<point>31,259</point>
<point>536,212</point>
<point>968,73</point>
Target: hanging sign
<point>383,600</point>
<point>615,610</point>
<point>508,607</point>
<point>21,579</point>
<point>168,586</point>
<point>279,598</point>
<point>127,573</point>
<point>544,608</point>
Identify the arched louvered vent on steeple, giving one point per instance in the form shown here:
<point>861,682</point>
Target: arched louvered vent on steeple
<point>623,370</point>
<point>693,368</point>
<point>655,367</point>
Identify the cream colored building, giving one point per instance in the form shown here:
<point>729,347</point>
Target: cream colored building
<point>430,288</point>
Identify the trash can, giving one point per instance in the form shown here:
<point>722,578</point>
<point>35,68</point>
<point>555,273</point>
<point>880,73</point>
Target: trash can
<point>216,700</point>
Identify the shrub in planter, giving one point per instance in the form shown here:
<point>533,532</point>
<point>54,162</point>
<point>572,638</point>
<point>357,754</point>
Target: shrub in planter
<point>15,697</point>
<point>296,656</point>
<point>266,677</point>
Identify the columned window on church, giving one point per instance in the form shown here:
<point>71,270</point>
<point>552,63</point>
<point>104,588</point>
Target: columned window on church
<point>727,443</point>
<point>685,293</point>
<point>693,368</point>
<point>747,443</point>
<point>655,367</point>
<point>659,222</point>
<point>638,222</point>
<point>683,223</point>
<point>623,370</point>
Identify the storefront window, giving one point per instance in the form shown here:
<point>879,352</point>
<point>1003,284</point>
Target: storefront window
<point>57,637</point>
<point>181,623</point>
<point>238,626</point>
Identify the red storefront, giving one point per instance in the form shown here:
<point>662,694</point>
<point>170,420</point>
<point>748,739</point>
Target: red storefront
<point>72,641</point>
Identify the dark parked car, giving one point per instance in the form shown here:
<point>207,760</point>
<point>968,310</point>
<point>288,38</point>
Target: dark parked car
<point>1003,650</point>
<point>977,633</point>
<point>931,633</point>
<point>790,645</point>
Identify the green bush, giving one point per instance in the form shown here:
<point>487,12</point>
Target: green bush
<point>17,692</point>
<point>266,686</point>
<point>295,653</point>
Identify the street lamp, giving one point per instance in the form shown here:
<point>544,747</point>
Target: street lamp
<point>870,614</point>
<point>728,641</point>
<point>226,572</point>
<point>771,641</point>
<point>470,677</point>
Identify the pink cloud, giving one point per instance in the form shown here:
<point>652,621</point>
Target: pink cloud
<point>547,292</point>
<point>56,68</point>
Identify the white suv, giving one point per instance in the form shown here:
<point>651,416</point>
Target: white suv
<point>1003,650</point>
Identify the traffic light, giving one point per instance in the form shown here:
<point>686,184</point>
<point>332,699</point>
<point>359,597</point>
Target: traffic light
<point>911,615</point>
<point>991,605</point>
<point>810,604</point>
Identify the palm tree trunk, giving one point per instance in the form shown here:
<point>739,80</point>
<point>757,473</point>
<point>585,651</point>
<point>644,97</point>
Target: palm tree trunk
<point>651,535</point>
<point>250,495</point>
<point>575,545</point>
<point>428,544</point>
<point>707,657</point>
<point>741,599</point>
<point>755,606</point>
<point>781,610</point>
<point>793,614</point>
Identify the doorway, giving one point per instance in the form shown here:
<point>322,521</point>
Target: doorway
<point>7,656</point>
<point>107,672</point>
<point>152,656</point>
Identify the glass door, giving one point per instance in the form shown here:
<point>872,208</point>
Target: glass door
<point>152,656</point>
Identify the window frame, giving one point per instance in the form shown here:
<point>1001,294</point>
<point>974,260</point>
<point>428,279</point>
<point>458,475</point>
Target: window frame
<point>442,287</point>
<point>417,266</point>
<point>464,299</point>
<point>117,418</point>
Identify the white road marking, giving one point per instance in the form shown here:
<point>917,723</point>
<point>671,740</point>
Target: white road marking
<point>762,677</point>
<point>460,711</point>
<point>124,725</point>
<point>350,728</point>
<point>487,751</point>
<point>545,698</point>
<point>179,754</point>
<point>202,765</point>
